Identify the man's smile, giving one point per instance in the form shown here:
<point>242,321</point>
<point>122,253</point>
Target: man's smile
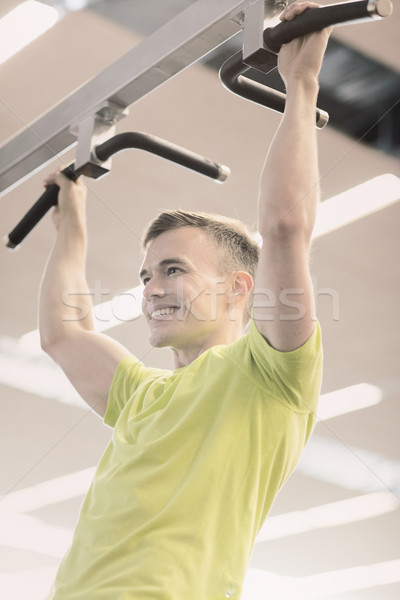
<point>162,312</point>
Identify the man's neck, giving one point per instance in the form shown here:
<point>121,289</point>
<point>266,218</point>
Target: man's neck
<point>185,356</point>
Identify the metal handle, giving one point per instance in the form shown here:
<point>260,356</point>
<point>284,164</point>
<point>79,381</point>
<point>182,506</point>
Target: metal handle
<point>315,19</point>
<point>231,74</point>
<point>156,145</point>
<point>142,141</point>
<point>37,212</point>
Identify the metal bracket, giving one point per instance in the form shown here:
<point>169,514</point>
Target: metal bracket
<point>91,132</point>
<point>257,16</point>
<point>270,9</point>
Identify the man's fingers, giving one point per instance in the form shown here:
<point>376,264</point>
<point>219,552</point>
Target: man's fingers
<point>52,178</point>
<point>296,9</point>
<point>58,178</point>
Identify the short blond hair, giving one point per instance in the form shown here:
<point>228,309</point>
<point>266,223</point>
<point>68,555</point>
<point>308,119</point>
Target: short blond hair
<point>238,249</point>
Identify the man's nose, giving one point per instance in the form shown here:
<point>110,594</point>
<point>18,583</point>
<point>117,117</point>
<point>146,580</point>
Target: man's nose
<point>154,287</point>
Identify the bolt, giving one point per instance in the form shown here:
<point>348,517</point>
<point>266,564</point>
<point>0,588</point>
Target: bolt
<point>278,4</point>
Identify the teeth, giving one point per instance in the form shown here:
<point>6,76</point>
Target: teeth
<point>163,311</point>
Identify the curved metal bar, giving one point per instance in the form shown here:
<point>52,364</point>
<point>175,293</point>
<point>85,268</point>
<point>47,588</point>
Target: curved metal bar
<point>231,75</point>
<point>120,142</point>
<point>160,147</point>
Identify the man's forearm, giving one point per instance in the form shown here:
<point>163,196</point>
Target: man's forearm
<point>289,188</point>
<point>65,302</point>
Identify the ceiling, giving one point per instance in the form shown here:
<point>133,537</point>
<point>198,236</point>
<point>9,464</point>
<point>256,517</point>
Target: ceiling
<point>356,276</point>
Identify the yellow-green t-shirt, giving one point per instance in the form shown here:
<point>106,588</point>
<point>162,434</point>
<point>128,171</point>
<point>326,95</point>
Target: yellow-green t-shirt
<point>196,459</point>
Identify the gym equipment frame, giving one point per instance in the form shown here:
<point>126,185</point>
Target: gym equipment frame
<point>89,116</point>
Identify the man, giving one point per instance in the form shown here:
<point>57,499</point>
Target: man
<point>198,453</point>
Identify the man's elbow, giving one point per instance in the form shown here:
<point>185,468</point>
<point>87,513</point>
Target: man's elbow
<point>287,229</point>
<point>48,343</point>
<point>52,339</point>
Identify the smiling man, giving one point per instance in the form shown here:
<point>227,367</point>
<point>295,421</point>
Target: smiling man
<point>194,284</point>
<point>198,452</point>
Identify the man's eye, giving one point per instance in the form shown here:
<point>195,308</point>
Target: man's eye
<point>146,280</point>
<point>172,270</point>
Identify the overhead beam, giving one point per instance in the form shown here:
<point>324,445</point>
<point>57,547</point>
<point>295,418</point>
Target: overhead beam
<point>180,42</point>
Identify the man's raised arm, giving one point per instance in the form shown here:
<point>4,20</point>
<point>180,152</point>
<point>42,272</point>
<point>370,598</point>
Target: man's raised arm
<point>289,193</point>
<point>89,359</point>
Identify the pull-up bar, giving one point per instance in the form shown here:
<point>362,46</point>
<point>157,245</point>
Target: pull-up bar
<point>316,19</point>
<point>259,51</point>
<point>265,58</point>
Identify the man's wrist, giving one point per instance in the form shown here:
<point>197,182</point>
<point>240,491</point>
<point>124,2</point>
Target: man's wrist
<point>301,97</point>
<point>72,224</point>
<point>308,85</point>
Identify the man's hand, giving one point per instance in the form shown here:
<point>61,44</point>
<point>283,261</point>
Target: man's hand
<point>71,197</point>
<point>302,57</point>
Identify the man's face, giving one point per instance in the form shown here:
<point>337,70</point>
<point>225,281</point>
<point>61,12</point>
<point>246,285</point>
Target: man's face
<point>185,298</point>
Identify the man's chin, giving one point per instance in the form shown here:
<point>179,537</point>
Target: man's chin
<point>159,342</point>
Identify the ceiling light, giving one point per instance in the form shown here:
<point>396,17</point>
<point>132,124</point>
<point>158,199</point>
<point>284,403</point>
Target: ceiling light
<point>31,583</point>
<point>48,492</point>
<point>349,467</point>
<point>259,584</point>
<point>333,514</point>
<point>356,203</point>
<point>24,532</point>
<point>325,585</point>
<point>35,374</point>
<point>24,24</point>
<point>75,4</point>
<point>349,399</point>
<point>124,307</point>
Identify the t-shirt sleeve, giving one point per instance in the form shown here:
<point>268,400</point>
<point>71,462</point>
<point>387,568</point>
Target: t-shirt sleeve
<point>127,377</point>
<point>294,377</point>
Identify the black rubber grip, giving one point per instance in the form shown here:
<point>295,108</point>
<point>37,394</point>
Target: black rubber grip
<point>160,147</point>
<point>48,199</point>
<point>315,19</point>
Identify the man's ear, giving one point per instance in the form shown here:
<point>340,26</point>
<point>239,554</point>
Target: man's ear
<point>241,286</point>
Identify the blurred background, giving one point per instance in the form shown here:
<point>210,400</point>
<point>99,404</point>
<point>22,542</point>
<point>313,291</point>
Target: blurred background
<point>334,529</point>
